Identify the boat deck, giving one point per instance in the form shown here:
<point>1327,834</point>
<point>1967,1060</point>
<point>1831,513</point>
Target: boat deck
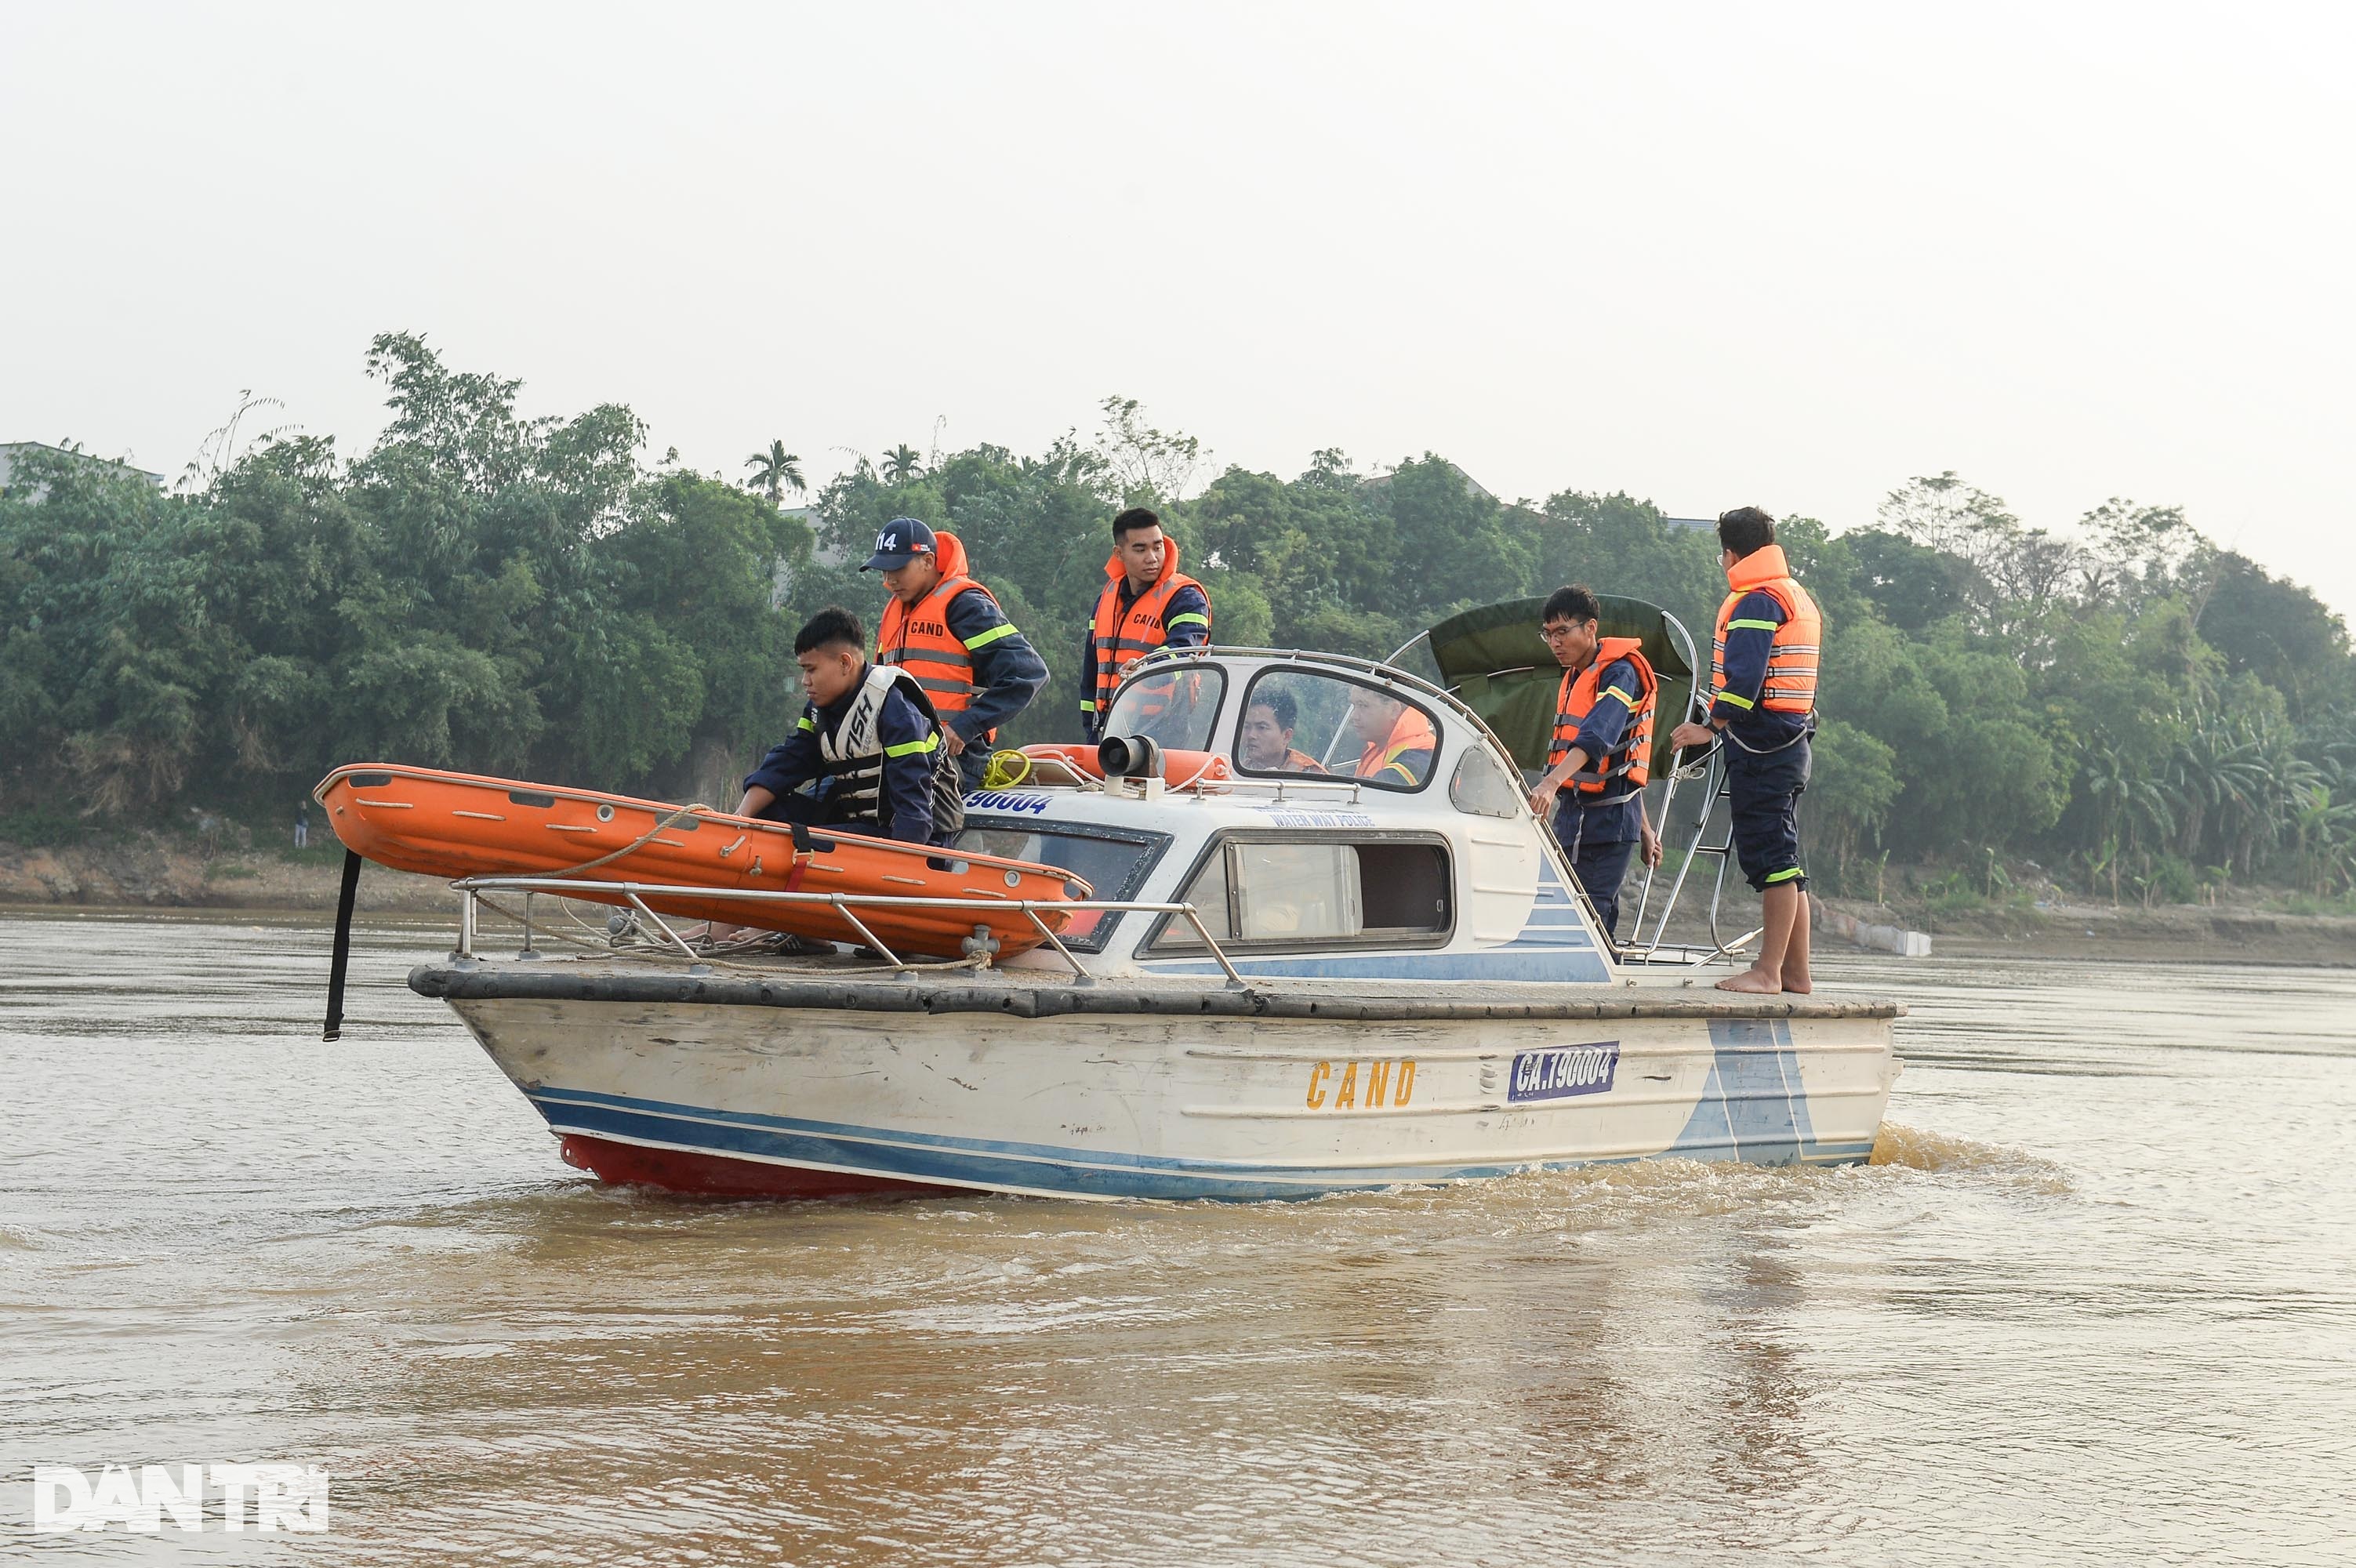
<point>843,984</point>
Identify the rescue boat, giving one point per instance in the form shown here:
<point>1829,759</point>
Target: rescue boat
<point>1289,981</point>
<point>461,825</point>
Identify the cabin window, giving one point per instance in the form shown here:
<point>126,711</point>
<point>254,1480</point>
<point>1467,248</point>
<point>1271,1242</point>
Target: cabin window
<point>1480,788</point>
<point>1309,724</point>
<point>1287,890</point>
<point>1176,705</point>
<point>1113,863</point>
<point>1266,892</point>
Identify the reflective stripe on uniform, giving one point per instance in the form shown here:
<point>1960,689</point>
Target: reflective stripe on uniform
<point>992,635</point>
<point>926,656</point>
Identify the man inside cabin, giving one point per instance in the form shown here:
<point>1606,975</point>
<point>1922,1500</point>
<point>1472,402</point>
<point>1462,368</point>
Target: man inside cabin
<point>946,629</point>
<point>1397,737</point>
<point>1146,603</point>
<point>1264,744</point>
<point>1602,748</point>
<point>1763,671</point>
<point>867,753</point>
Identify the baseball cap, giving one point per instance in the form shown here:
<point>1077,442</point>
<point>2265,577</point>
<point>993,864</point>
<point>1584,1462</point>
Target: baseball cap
<point>903,540</point>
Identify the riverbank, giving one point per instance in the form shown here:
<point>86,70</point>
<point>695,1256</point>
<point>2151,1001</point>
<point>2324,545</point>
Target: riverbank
<point>164,871</point>
<point>2203,933</point>
<point>153,871</point>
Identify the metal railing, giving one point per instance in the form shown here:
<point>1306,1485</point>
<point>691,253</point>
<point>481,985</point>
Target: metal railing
<point>636,893</point>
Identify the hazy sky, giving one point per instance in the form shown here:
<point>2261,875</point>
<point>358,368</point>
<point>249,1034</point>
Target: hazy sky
<point>1788,255</point>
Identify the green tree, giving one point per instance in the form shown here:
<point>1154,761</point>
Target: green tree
<point>1911,585</point>
<point>1853,784</point>
<point>776,471</point>
<point>2278,631</point>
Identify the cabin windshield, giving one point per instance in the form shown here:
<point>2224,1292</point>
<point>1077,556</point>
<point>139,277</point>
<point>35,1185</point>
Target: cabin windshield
<point>1176,706</point>
<point>1306,722</point>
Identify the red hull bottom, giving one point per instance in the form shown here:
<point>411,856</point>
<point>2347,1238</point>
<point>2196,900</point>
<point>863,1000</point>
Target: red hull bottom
<point>716,1176</point>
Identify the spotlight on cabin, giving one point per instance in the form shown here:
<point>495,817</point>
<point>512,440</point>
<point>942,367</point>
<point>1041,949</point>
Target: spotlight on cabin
<point>1129,757</point>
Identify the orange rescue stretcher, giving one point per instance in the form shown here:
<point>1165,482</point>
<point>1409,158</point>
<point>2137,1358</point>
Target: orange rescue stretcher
<point>459,825</point>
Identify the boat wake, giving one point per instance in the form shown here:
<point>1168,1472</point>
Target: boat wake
<point>1918,1148</point>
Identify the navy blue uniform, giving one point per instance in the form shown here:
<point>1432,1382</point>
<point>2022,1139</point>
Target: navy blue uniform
<point>1767,754</point>
<point>1007,673</point>
<point>1598,839</point>
<point>904,803</point>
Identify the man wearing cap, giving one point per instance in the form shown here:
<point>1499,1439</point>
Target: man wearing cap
<point>947,631</point>
<point>1146,603</point>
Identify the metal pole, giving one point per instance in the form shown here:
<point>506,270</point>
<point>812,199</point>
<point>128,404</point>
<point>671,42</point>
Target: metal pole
<point>341,959</point>
<point>1205,932</point>
<point>1077,968</point>
<point>870,938</point>
<point>676,941</point>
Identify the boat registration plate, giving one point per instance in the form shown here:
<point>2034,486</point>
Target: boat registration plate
<point>1564,1071</point>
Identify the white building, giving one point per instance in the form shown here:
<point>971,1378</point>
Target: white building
<point>10,449</point>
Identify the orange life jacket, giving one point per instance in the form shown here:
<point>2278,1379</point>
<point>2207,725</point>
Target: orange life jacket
<point>1119,637</point>
<point>1392,759</point>
<point>920,639</point>
<point>1791,686</point>
<point>1625,771</point>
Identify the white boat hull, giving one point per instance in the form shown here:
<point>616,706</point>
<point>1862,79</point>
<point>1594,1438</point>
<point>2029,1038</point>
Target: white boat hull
<point>726,1097</point>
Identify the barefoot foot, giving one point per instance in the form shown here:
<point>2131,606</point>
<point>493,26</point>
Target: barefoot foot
<point>1798,984</point>
<point>1753,982</point>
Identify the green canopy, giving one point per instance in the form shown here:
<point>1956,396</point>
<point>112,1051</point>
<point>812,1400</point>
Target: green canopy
<point>1495,659</point>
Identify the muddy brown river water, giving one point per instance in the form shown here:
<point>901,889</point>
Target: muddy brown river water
<point>2096,1302</point>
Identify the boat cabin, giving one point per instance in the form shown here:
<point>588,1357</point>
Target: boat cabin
<point>1327,817</point>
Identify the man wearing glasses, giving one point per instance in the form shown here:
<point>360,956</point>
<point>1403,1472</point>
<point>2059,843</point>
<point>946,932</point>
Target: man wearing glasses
<point>1602,750</point>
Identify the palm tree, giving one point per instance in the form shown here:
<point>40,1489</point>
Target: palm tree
<point>901,465</point>
<point>775,470</point>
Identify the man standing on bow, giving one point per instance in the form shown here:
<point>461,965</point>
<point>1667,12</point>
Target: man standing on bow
<point>1602,748</point>
<point>1146,603</point>
<point>946,629</point>
<point>1763,671</point>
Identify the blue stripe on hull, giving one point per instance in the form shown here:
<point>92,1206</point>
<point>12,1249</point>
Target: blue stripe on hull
<point>1753,1106</point>
<point>991,1163</point>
